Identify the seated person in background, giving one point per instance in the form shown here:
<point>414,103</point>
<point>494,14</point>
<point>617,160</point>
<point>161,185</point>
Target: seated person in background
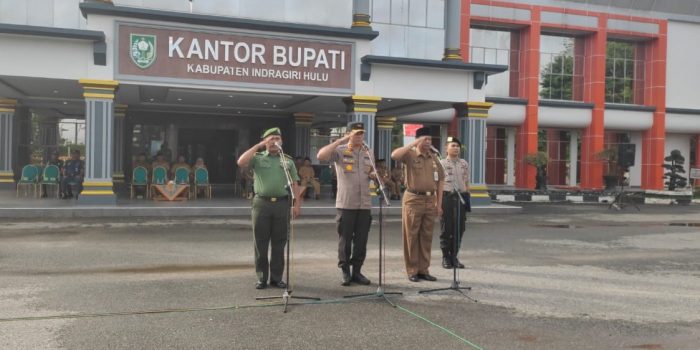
<point>160,161</point>
<point>245,181</point>
<point>142,162</point>
<point>199,163</point>
<point>391,187</point>
<point>73,173</point>
<point>397,178</point>
<point>181,163</point>
<point>307,176</point>
<point>53,160</point>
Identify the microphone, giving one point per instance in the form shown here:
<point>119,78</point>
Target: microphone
<point>277,144</point>
<point>434,150</point>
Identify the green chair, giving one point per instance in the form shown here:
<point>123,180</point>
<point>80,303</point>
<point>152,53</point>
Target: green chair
<point>158,177</point>
<point>139,178</point>
<point>50,177</point>
<point>201,179</point>
<point>29,179</point>
<point>182,177</point>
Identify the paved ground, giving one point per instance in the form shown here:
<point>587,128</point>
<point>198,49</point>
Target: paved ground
<point>551,277</point>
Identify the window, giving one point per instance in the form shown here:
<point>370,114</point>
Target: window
<point>557,67</point>
<point>494,47</point>
<point>624,75</point>
<point>408,28</point>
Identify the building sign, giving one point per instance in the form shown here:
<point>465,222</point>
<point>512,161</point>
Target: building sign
<point>695,173</point>
<point>155,53</point>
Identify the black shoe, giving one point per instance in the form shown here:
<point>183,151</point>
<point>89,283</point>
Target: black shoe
<point>413,278</point>
<point>345,275</point>
<point>458,264</point>
<point>360,278</point>
<point>446,262</point>
<point>427,277</point>
<point>279,284</point>
<point>260,285</point>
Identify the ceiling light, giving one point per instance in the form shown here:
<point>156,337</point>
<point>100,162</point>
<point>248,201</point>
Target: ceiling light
<point>55,91</point>
<point>265,103</point>
<point>65,102</point>
<point>388,100</point>
<point>218,104</point>
<point>274,106</point>
<point>230,96</point>
<point>239,112</point>
<point>179,99</point>
<point>151,99</point>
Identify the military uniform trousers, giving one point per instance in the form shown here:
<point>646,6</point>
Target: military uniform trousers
<point>418,219</point>
<point>270,220</point>
<point>353,231</point>
<point>447,222</point>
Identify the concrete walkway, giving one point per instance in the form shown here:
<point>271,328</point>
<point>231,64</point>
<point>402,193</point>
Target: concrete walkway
<point>225,205</point>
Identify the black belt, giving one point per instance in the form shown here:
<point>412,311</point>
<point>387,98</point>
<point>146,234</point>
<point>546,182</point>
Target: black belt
<point>272,199</point>
<point>421,193</point>
<point>447,193</point>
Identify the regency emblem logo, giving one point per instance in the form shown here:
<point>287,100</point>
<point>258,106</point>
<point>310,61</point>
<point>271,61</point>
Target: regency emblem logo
<point>143,50</point>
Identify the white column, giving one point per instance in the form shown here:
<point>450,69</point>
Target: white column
<point>573,158</point>
<point>453,14</point>
<point>364,109</point>
<point>510,156</point>
<point>385,125</point>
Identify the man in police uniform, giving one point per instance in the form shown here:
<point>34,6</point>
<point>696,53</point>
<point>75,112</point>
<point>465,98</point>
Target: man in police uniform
<point>353,201</point>
<point>456,178</point>
<point>421,203</point>
<point>270,208</point>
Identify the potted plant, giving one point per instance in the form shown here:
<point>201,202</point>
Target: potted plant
<point>612,177</point>
<point>674,169</point>
<point>539,160</point>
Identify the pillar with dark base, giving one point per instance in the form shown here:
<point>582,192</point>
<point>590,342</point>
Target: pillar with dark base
<point>385,125</point>
<point>99,145</point>
<point>360,15</point>
<point>472,131</point>
<point>7,116</point>
<point>302,134</point>
<point>453,15</point>
<point>119,147</point>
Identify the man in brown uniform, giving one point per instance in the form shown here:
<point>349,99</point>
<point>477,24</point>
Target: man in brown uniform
<point>353,201</point>
<point>308,177</point>
<point>421,203</point>
<point>386,179</point>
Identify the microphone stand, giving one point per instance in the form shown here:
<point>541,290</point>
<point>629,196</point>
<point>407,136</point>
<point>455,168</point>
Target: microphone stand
<point>457,215</point>
<point>380,293</point>
<point>287,294</point>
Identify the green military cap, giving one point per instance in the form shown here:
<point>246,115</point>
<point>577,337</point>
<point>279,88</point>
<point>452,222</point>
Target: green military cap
<point>271,131</point>
<point>453,139</point>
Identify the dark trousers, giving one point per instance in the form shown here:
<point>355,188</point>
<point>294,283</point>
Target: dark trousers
<point>353,230</point>
<point>270,220</point>
<point>68,182</point>
<point>450,206</point>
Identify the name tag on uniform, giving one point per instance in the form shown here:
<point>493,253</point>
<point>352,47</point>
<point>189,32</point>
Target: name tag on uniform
<point>348,160</point>
<point>435,176</point>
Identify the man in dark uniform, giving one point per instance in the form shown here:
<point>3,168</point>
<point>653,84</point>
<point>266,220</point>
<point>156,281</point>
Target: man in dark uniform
<point>73,174</point>
<point>270,208</point>
<point>353,201</point>
<point>421,203</point>
<point>456,178</point>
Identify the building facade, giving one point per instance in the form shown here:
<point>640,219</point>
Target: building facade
<point>205,77</point>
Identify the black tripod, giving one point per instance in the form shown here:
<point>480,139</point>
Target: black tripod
<point>380,293</point>
<point>619,201</point>
<point>458,201</point>
<point>287,294</point>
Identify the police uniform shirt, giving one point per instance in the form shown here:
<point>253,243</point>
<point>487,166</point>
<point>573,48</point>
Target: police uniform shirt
<point>352,167</point>
<point>269,177</point>
<point>457,172</point>
<point>422,171</point>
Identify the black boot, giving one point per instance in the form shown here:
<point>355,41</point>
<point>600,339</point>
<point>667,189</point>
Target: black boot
<point>457,263</point>
<point>358,277</point>
<point>446,259</point>
<point>345,275</point>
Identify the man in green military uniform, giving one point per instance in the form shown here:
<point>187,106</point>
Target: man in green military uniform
<point>270,209</point>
